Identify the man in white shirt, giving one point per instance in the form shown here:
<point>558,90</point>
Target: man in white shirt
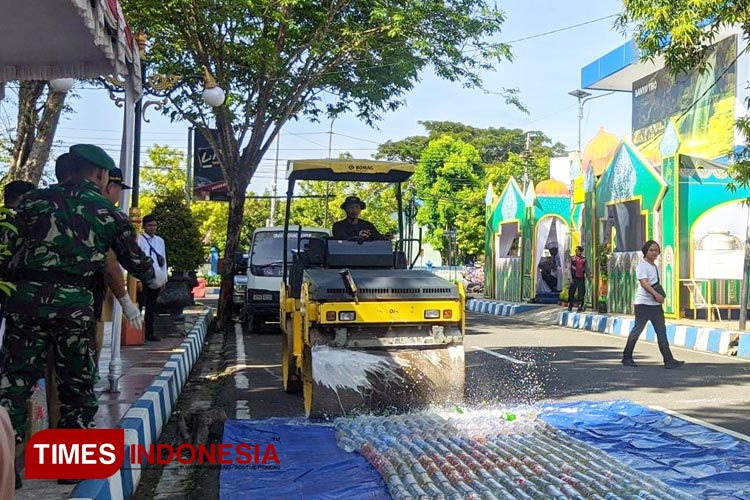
<point>153,246</point>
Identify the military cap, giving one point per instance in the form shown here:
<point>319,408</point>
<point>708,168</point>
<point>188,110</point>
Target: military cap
<point>93,154</point>
<point>116,177</point>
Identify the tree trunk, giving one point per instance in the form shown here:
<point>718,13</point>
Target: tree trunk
<point>234,227</point>
<point>34,134</point>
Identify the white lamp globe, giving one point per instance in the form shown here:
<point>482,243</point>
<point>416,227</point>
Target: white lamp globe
<point>61,84</point>
<point>214,96</point>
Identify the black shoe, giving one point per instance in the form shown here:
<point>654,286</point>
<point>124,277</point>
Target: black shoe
<point>629,362</point>
<point>675,363</point>
<point>69,481</point>
<point>581,309</point>
<point>570,309</point>
<point>19,481</point>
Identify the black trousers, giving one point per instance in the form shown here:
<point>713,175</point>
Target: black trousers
<point>149,304</point>
<point>644,314</point>
<point>578,284</point>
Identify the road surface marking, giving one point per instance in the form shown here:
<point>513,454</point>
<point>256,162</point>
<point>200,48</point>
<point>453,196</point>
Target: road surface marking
<point>240,379</point>
<point>503,356</point>
<point>698,421</point>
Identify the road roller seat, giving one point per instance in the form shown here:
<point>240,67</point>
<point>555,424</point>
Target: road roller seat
<point>314,254</point>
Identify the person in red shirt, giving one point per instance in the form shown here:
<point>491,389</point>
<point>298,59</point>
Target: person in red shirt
<point>578,274</point>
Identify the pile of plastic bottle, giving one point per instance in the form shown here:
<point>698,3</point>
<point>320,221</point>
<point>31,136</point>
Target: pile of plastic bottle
<point>490,455</point>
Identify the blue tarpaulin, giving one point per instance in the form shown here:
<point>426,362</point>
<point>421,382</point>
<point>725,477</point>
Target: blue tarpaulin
<point>687,456</point>
<point>311,465</point>
<point>695,459</point>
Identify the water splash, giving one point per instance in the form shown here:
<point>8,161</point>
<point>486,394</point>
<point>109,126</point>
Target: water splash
<point>340,369</point>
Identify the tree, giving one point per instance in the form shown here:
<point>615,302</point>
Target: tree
<point>39,111</point>
<point>282,60</point>
<point>501,154</point>
<point>179,229</point>
<point>503,151</point>
<point>449,183</point>
<point>495,145</point>
<point>535,164</point>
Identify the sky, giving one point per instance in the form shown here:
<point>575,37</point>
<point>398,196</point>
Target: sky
<point>545,68</point>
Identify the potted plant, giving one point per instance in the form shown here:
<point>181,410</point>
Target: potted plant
<point>603,261</point>
<point>564,296</point>
<point>181,235</point>
<point>601,305</point>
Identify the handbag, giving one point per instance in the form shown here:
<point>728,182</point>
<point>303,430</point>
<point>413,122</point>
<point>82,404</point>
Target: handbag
<point>657,286</point>
<point>659,289</point>
<point>159,258</point>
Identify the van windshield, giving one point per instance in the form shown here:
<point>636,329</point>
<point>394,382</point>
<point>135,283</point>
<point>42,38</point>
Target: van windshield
<point>265,255</point>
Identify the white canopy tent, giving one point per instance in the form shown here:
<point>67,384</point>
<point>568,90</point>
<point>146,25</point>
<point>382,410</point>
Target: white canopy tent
<point>53,39</point>
<point>48,39</point>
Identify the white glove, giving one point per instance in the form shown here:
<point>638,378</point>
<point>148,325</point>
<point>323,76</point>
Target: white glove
<point>160,279</point>
<point>131,312</point>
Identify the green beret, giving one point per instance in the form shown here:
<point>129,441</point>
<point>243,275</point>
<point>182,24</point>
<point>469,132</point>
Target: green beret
<point>94,154</point>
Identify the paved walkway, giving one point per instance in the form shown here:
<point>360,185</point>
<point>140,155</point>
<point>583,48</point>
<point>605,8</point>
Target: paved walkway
<point>710,336</point>
<point>141,366</point>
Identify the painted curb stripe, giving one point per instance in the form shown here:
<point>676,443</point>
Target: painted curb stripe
<point>146,418</point>
<point>496,308</point>
<point>712,340</point>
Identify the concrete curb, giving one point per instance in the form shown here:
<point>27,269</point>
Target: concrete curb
<point>147,416</point>
<point>713,340</point>
<point>497,308</point>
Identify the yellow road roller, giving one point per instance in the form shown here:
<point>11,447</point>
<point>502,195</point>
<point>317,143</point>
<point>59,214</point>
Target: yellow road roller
<point>362,331</point>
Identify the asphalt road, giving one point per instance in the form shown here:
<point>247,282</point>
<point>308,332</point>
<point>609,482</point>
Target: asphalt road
<point>511,362</point>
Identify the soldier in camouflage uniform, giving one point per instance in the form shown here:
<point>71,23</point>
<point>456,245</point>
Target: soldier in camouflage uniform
<point>63,236</point>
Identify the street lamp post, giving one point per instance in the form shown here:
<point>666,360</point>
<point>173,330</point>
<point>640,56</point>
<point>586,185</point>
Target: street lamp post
<point>159,86</point>
<point>584,97</point>
<point>580,95</point>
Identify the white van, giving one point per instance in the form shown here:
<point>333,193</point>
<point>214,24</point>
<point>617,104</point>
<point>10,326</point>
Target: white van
<point>264,272</point>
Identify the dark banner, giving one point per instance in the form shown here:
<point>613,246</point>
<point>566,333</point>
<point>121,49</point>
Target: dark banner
<point>700,105</point>
<point>208,179</point>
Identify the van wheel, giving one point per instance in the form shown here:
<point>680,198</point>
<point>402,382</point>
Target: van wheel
<point>251,324</point>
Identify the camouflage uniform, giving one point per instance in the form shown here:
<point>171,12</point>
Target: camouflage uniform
<point>64,234</point>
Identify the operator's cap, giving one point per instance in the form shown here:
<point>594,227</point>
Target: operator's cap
<point>93,154</point>
<point>353,200</point>
<point>116,177</point>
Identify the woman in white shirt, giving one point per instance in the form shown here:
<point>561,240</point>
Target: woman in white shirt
<point>648,308</point>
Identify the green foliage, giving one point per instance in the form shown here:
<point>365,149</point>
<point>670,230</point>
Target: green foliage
<point>286,59</point>
<point>496,154</point>
<point>537,167</point>
<point>682,32</point>
<point>165,174</point>
<point>6,226</point>
<point>275,56</point>
<point>213,280</point>
<point>495,145</point>
<point>179,229</point>
<point>311,211</point>
<point>449,183</point>
<point>256,213</point>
